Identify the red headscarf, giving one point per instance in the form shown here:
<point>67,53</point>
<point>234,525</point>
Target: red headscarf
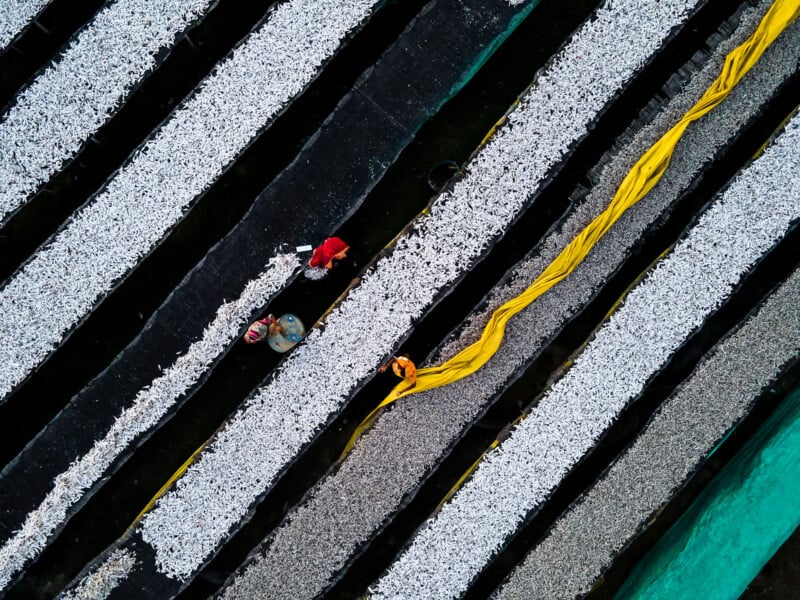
<point>324,253</point>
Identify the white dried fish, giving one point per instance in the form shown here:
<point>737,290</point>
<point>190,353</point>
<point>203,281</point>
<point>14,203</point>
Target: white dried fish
<point>72,98</point>
<point>149,406</point>
<point>106,238</point>
<point>655,319</point>
<point>99,584</point>
<point>246,455</point>
<point>15,15</point>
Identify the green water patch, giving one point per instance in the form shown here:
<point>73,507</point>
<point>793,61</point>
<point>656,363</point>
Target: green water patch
<point>736,524</point>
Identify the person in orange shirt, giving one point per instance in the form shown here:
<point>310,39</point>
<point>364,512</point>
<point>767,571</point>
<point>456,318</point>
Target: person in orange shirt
<point>403,367</point>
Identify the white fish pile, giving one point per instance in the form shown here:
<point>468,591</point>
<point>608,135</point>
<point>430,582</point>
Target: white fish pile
<point>583,542</point>
<point>655,319</point>
<point>73,97</point>
<point>242,461</point>
<point>99,584</point>
<point>15,16</point>
<point>108,236</point>
<point>149,406</point>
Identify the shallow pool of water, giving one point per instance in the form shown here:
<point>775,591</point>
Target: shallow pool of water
<point>736,524</point>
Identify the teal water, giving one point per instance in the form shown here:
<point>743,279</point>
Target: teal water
<point>737,523</point>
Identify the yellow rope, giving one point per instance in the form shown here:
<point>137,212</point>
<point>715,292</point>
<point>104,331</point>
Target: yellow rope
<point>174,477</point>
<point>637,183</point>
<point>466,474</point>
<point>557,373</point>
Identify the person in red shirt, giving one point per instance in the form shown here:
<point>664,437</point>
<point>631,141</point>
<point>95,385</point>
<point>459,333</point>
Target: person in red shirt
<point>333,248</point>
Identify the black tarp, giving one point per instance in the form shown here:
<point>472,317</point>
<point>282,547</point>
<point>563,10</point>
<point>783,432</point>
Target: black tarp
<point>436,55</point>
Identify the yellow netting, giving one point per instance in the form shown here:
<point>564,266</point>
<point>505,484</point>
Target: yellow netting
<point>640,180</point>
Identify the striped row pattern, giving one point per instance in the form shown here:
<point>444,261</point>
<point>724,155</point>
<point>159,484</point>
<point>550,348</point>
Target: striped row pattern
<point>671,303</point>
<point>350,505</point>
<point>119,226</point>
<point>70,100</point>
<point>679,437</point>
<point>284,415</point>
<point>149,407</point>
<point>367,524</point>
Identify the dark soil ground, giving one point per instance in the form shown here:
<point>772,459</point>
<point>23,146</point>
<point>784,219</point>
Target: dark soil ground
<point>780,577</point>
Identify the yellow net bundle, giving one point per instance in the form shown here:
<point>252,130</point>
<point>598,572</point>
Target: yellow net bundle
<point>637,183</point>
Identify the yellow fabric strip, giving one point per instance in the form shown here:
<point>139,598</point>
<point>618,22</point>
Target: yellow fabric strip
<point>466,474</point>
<point>174,477</point>
<point>637,183</point>
<point>557,373</point>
